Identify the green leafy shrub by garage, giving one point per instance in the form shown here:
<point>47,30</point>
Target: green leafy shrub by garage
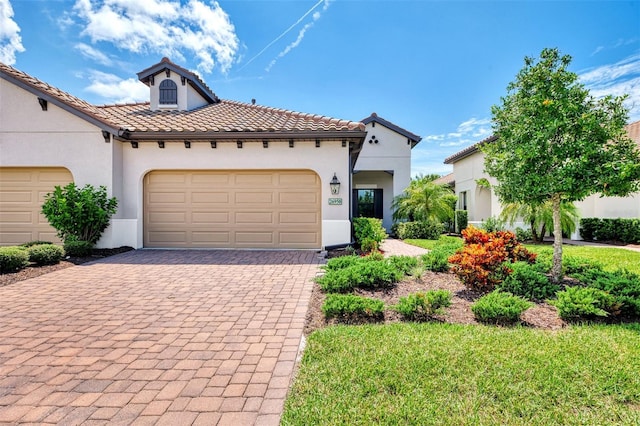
<point>369,233</point>
<point>351,308</point>
<point>425,229</point>
<point>525,281</point>
<point>81,214</point>
<point>499,307</point>
<point>45,254</point>
<point>584,303</point>
<point>13,259</point>
<point>623,285</point>
<point>364,274</point>
<point>423,305</point>
<point>76,248</point>
<point>34,243</point>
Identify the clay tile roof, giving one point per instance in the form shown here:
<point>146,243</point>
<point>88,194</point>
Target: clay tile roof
<point>223,116</point>
<point>468,150</point>
<point>446,180</point>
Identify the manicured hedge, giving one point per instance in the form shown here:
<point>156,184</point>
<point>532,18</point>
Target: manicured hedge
<point>625,230</point>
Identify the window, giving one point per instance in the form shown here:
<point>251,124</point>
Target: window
<point>168,92</point>
<point>462,201</point>
<point>367,203</point>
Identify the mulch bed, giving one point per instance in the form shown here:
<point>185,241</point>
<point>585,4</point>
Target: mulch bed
<point>36,271</point>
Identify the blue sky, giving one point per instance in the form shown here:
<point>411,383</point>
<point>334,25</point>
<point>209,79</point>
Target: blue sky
<point>432,67</point>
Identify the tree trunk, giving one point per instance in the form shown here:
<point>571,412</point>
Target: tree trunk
<point>534,232</point>
<point>556,270</point>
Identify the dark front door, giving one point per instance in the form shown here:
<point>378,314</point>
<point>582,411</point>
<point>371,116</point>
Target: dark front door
<point>367,203</point>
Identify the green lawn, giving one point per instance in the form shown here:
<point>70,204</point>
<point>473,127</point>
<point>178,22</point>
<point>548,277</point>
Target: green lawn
<point>445,374</point>
<point>429,244</point>
<point>611,257</point>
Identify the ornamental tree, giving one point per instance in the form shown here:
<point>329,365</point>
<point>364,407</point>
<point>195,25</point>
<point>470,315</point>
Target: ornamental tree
<point>556,143</point>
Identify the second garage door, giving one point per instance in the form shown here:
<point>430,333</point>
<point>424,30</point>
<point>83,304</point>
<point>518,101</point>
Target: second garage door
<point>232,209</point>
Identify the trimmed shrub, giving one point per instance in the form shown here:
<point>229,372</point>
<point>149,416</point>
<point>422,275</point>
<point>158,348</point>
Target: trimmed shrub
<point>422,306</point>
<point>437,260</point>
<point>427,230</point>
<point>352,308</point>
<point>623,285</point>
<point>34,243</point>
<point>573,265</point>
<point>482,262</point>
<point>77,213</point>
<point>368,230</point>
<point>342,262</point>
<point>492,224</point>
<point>525,281</point>
<point>365,274</point>
<point>75,248</point>
<point>45,254</point>
<point>523,235</point>
<point>584,302</point>
<point>621,229</point>
<point>500,307</point>
<point>13,259</point>
<point>462,220</point>
<point>544,261</point>
<point>404,264</point>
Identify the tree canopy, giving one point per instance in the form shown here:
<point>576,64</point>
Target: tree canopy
<point>555,142</point>
<point>423,200</point>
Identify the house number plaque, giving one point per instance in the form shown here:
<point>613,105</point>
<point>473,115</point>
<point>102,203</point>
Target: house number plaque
<point>335,201</point>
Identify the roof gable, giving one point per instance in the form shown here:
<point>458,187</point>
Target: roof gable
<point>147,76</point>
<point>389,125</point>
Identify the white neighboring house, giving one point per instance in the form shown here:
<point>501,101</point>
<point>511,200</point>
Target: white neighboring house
<point>188,169</point>
<point>481,203</point>
<point>383,169</point>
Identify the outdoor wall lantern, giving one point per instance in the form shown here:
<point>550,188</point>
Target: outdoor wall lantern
<point>334,185</point>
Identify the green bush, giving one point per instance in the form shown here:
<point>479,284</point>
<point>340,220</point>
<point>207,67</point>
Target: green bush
<point>621,229</point>
<point>623,285</point>
<point>369,246</point>
<point>422,306</point>
<point>45,254</point>
<point>437,260</point>
<point>427,230</point>
<point>525,281</point>
<point>575,265</point>
<point>79,213</point>
<point>584,302</point>
<point>462,220</point>
<point>523,235</point>
<point>34,243</point>
<point>500,307</point>
<point>404,264</point>
<point>343,262</point>
<point>13,259</point>
<point>492,224</point>
<point>352,308</point>
<point>369,230</point>
<point>75,248</point>
<point>365,274</point>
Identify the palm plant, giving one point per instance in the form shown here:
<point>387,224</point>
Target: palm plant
<point>423,200</point>
<point>540,217</point>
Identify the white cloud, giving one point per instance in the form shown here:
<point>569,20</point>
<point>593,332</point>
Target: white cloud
<point>113,89</point>
<point>10,40</point>
<point>620,78</point>
<point>163,26</point>
<point>92,53</point>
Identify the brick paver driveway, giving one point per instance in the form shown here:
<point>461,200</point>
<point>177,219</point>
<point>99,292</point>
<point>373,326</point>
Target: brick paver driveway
<point>155,337</point>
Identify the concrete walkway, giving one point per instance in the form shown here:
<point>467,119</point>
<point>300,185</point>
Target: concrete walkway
<point>169,337</point>
<point>393,247</point>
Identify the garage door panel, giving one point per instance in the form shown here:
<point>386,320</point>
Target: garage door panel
<point>210,197</point>
<point>298,198</point>
<point>254,197</point>
<point>254,218</point>
<point>10,197</point>
<point>200,218</point>
<point>244,209</point>
<point>22,192</point>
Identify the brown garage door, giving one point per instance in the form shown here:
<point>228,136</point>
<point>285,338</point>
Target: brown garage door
<point>232,209</point>
<point>22,192</point>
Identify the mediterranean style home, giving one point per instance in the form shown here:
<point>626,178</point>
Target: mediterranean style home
<point>192,170</point>
<point>481,203</point>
